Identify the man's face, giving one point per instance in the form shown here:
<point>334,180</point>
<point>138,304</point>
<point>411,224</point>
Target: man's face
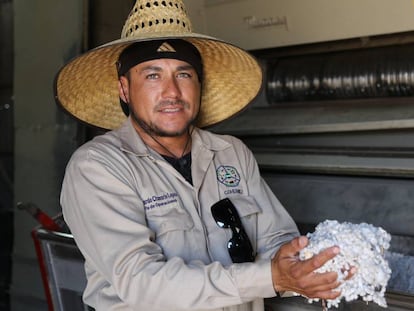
<point>163,96</point>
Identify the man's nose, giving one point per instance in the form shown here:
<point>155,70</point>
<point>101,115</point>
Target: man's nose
<point>172,88</point>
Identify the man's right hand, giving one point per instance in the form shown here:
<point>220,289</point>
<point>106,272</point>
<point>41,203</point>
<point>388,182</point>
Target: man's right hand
<point>289,273</point>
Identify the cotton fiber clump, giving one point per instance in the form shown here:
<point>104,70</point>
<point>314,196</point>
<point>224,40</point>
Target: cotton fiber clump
<point>361,246</point>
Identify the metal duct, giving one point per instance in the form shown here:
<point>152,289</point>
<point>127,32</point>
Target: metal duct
<point>363,73</point>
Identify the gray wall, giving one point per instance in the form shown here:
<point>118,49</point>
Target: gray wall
<point>47,33</point>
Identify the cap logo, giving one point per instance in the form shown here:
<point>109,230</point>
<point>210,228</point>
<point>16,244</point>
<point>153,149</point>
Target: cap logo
<point>166,47</point>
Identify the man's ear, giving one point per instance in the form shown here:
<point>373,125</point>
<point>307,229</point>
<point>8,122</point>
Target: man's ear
<point>123,89</point>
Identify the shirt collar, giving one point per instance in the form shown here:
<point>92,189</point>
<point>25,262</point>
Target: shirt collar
<point>132,142</point>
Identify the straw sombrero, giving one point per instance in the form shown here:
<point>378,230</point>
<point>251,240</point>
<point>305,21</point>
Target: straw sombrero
<point>87,87</point>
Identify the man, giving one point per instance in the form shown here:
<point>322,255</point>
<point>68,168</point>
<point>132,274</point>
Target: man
<point>169,216</point>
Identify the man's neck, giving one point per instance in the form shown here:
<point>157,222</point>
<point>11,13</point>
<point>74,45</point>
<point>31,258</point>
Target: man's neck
<point>171,146</point>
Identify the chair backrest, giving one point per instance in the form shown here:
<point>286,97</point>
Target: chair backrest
<point>62,268</point>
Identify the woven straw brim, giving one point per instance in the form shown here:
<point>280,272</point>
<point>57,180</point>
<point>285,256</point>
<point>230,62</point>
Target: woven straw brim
<point>87,87</point>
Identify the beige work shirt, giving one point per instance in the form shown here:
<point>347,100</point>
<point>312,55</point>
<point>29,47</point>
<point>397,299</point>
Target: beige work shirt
<point>148,237</point>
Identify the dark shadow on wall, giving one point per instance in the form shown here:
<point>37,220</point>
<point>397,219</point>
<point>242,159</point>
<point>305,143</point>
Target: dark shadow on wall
<point>6,151</point>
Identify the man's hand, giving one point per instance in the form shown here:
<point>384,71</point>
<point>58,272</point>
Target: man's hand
<point>289,273</point>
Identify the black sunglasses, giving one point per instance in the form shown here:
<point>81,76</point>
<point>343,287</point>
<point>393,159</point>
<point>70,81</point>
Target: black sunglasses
<point>239,246</point>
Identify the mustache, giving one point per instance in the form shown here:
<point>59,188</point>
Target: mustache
<point>168,102</point>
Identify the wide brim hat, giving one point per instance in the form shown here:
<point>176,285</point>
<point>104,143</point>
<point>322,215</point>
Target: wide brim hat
<point>87,87</point>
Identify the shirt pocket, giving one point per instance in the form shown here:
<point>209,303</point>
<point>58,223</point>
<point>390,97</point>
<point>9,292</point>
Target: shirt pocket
<point>248,211</point>
<point>169,218</point>
<point>174,230</point>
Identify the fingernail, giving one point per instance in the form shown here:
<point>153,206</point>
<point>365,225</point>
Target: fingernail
<point>302,241</point>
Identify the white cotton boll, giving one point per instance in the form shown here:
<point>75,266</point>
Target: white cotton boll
<point>361,246</point>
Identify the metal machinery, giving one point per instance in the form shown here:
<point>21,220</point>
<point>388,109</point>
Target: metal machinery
<point>333,127</point>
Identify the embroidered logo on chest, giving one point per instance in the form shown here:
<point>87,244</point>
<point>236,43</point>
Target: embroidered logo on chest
<point>228,176</point>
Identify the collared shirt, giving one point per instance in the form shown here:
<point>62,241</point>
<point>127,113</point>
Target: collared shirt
<point>148,237</point>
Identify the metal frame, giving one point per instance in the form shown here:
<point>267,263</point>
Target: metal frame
<point>62,269</point>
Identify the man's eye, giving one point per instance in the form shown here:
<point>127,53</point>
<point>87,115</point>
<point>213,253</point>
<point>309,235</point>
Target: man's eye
<point>184,75</point>
<point>152,76</point>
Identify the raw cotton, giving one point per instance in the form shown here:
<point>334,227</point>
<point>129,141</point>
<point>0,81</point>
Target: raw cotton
<point>361,246</point>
